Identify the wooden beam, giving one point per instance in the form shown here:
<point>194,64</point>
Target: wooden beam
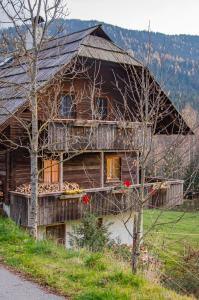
<point>102,168</point>
<point>138,167</point>
<point>61,171</point>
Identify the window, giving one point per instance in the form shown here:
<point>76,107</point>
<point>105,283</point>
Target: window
<point>101,108</point>
<point>56,233</point>
<point>113,168</point>
<point>67,108</point>
<point>99,222</point>
<point>51,171</point>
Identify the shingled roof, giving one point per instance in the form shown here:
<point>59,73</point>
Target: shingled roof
<point>91,42</point>
<point>56,53</point>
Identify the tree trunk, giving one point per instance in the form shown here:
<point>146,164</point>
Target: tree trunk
<point>34,195</point>
<point>138,218</point>
<point>137,239</point>
<point>34,149</point>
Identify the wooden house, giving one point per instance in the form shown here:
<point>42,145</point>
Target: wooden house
<point>93,135</point>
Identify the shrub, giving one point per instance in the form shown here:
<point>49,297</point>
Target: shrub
<point>88,234</point>
<point>122,251</point>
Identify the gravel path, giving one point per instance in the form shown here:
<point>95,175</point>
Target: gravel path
<point>13,287</point>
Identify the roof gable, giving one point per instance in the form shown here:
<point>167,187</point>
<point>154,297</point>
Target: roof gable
<point>55,54</point>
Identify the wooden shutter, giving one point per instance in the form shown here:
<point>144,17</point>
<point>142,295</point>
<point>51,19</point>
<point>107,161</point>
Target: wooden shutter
<point>47,171</point>
<point>55,171</point>
<point>51,171</point>
<point>116,167</point>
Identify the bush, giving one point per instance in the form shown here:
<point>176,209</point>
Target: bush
<point>122,251</point>
<point>89,234</point>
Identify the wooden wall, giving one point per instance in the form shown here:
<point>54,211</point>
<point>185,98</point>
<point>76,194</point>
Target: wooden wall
<point>83,169</point>
<point>18,170</point>
<point>21,172</point>
<point>129,169</point>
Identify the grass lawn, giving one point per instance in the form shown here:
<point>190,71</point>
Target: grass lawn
<point>79,275</point>
<point>178,229</point>
<point>177,246</point>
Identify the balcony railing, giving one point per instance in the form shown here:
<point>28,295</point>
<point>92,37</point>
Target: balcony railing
<point>55,208</point>
<point>70,135</point>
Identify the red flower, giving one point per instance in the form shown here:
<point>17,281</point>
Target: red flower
<point>127,183</point>
<point>85,199</point>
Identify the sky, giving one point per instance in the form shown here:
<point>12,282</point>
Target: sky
<point>166,16</point>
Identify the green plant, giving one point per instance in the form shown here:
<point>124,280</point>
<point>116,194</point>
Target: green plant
<point>41,247</point>
<point>89,234</point>
<point>122,251</point>
<point>94,260</point>
<point>191,177</point>
<point>80,274</point>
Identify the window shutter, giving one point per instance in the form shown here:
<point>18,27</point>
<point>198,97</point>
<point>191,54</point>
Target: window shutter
<point>47,171</point>
<point>55,171</point>
<point>51,171</point>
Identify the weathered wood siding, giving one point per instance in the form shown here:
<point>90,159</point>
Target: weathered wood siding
<point>19,209</point>
<point>53,209</point>
<point>3,175</point>
<point>20,168</point>
<point>169,198</point>
<point>94,135</point>
<point>83,169</point>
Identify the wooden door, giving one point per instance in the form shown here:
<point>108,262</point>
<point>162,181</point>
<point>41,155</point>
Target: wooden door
<point>56,233</point>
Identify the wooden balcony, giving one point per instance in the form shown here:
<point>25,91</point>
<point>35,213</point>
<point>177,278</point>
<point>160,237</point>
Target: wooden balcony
<point>71,135</point>
<point>55,208</point>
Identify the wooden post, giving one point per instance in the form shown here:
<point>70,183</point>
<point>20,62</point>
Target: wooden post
<point>138,167</point>
<point>61,171</point>
<point>102,168</point>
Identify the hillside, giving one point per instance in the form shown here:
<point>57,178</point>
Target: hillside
<point>79,275</point>
<point>174,58</point>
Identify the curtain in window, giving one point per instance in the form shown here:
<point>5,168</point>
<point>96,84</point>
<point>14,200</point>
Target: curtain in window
<point>51,171</point>
<point>102,110</point>
<point>67,106</point>
<point>113,166</point>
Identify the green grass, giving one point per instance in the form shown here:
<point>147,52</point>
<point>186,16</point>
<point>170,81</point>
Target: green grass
<point>171,243</point>
<point>80,275</point>
<point>177,231</point>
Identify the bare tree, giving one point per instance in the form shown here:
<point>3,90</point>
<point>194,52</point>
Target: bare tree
<point>145,101</point>
<point>30,33</point>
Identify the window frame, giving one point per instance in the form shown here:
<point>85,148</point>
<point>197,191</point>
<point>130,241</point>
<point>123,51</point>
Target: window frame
<point>113,179</point>
<point>52,164</point>
<point>105,118</point>
<point>71,114</point>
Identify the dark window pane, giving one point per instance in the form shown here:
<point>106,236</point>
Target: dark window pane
<point>102,110</point>
<point>67,107</point>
